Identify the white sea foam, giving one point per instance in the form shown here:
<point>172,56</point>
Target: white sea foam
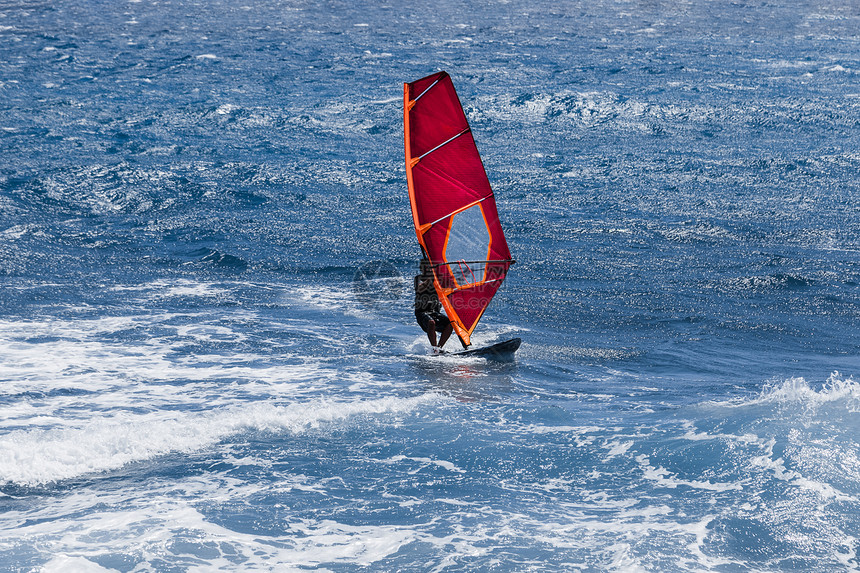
<point>40,456</point>
<point>665,478</point>
<point>42,356</point>
<point>788,435</point>
<point>797,391</point>
<point>836,388</point>
<point>180,287</point>
<point>170,520</point>
<point>163,521</point>
<point>326,297</point>
<point>72,564</point>
<point>617,448</point>
<point>587,109</point>
<point>699,231</point>
<point>775,465</point>
<point>425,462</point>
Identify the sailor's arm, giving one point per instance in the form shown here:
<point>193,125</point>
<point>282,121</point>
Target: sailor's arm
<point>423,285</point>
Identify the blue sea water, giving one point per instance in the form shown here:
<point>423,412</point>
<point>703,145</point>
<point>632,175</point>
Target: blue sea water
<point>203,368</point>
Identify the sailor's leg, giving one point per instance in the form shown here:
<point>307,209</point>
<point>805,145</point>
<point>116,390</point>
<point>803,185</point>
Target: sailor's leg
<point>431,331</point>
<point>446,333</point>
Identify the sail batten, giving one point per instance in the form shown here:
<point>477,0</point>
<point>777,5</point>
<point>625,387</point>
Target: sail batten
<point>453,206</point>
<point>461,209</point>
<point>444,143</point>
<point>424,92</point>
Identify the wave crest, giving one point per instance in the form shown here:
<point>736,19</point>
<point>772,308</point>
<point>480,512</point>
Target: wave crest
<point>34,457</point>
<point>797,392</point>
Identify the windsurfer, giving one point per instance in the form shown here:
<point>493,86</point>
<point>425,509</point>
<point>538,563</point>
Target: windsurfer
<point>428,309</point>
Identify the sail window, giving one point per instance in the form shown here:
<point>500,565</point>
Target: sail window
<point>468,246</point>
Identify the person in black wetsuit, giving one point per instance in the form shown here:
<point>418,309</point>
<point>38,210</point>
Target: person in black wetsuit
<point>428,309</point>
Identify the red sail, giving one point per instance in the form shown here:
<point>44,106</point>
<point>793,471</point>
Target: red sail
<point>453,207</point>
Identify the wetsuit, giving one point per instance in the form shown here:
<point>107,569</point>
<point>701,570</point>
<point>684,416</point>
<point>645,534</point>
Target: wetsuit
<point>428,307</point>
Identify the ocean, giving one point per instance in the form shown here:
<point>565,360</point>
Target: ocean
<point>208,356</point>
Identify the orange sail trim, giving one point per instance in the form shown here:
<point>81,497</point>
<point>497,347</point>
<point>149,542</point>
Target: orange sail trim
<point>453,206</point>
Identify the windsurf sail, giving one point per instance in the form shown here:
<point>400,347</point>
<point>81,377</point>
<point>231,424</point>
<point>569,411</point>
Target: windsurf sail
<point>453,206</point>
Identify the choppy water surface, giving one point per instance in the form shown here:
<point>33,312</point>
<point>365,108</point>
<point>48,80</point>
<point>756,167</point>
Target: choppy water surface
<point>190,380</point>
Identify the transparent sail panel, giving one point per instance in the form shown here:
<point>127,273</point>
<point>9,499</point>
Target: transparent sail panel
<point>468,246</point>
